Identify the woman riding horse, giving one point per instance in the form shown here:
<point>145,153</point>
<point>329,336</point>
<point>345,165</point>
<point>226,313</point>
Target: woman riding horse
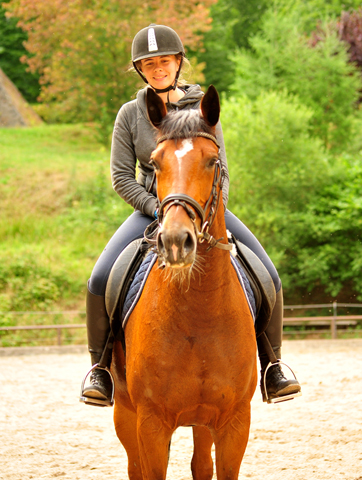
<point>158,56</point>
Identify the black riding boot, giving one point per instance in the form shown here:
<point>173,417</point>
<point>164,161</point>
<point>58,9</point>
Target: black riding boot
<point>99,393</point>
<point>278,387</point>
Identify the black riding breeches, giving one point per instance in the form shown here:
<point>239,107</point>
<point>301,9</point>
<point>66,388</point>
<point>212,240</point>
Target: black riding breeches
<point>134,228</point>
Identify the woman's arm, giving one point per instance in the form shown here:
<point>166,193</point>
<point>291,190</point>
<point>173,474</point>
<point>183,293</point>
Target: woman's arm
<point>123,166</point>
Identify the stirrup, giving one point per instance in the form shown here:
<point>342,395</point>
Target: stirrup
<point>97,402</point>
<point>283,398</point>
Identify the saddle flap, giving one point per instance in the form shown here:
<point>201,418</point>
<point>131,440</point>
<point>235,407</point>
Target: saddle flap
<point>261,282</point>
<point>119,274</point>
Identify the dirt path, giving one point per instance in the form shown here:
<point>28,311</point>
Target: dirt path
<point>46,433</point>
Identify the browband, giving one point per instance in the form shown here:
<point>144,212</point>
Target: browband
<point>198,134</point>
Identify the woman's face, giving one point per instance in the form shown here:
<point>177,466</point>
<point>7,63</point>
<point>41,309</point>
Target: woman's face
<point>160,72</point>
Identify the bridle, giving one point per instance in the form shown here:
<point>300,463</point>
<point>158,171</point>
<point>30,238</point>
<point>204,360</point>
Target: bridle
<point>206,214</point>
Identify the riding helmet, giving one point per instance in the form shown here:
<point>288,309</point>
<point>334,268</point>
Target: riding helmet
<point>153,41</point>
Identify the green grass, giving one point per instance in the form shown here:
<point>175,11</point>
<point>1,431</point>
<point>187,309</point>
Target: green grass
<point>57,212</point>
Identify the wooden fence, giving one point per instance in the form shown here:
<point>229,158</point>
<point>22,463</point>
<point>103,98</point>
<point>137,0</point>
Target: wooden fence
<point>332,321</point>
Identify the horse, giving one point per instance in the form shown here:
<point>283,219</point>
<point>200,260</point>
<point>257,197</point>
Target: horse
<point>190,341</point>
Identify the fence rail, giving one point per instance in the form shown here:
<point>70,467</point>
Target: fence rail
<point>333,321</point>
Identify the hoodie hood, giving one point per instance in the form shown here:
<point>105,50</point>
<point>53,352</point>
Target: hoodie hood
<point>192,97</point>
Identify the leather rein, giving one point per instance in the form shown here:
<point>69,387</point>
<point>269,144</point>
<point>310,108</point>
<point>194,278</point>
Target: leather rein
<point>185,201</point>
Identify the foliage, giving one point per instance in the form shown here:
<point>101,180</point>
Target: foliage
<point>313,12</point>
<point>303,204</point>
<point>81,49</point>
<point>233,23</point>
<point>11,50</point>
<point>57,212</point>
<point>236,22</point>
<point>350,31</point>
<point>29,284</point>
<point>330,235</point>
<point>282,58</point>
<point>271,155</point>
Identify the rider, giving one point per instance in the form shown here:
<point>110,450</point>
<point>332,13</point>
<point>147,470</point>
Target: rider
<point>158,56</point>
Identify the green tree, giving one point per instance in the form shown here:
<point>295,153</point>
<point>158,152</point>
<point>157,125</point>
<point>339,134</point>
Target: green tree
<point>276,167</point>
<point>11,50</point>
<point>325,242</point>
<point>302,203</point>
<point>233,23</point>
<point>283,58</point>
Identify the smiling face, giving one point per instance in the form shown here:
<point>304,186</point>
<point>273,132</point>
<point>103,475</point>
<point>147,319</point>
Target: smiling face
<point>160,72</point>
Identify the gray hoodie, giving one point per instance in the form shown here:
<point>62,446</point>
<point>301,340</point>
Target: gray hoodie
<point>134,138</point>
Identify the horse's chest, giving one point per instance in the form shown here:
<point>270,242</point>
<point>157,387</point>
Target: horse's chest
<point>180,372</point>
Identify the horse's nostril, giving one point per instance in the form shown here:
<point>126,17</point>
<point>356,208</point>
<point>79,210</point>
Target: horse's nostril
<point>189,243</point>
<point>160,244</point>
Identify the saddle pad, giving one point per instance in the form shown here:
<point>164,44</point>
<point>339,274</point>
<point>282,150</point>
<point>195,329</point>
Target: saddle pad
<point>244,281</point>
<point>139,281</point>
<point>136,287</point>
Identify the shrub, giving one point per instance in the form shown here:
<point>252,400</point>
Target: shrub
<point>282,57</point>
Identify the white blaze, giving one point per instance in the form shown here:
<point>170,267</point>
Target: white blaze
<point>186,147</point>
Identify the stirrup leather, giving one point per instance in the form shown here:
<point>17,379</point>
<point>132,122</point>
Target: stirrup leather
<point>283,398</point>
<point>97,402</point>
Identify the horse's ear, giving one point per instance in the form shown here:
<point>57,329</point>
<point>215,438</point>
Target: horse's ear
<point>155,107</point>
<point>210,106</point>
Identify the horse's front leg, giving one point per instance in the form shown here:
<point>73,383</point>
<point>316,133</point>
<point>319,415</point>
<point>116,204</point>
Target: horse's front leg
<point>154,438</point>
<point>202,466</point>
<point>125,423</point>
<point>230,445</point>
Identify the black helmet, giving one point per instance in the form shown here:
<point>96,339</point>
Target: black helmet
<point>154,41</point>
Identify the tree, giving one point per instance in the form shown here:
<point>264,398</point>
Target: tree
<point>11,50</point>
<point>236,22</point>
<point>304,205</point>
<point>282,57</point>
<point>81,48</point>
<point>325,242</point>
<point>233,23</point>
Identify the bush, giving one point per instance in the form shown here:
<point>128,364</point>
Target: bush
<point>303,204</point>
<point>29,283</point>
<point>282,57</point>
<point>327,247</point>
<point>276,167</point>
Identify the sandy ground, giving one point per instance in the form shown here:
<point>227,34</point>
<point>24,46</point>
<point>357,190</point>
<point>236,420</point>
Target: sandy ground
<point>46,433</point>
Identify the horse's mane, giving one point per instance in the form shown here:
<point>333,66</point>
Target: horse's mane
<point>183,124</point>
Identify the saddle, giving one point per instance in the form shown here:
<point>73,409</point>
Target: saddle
<point>130,271</point>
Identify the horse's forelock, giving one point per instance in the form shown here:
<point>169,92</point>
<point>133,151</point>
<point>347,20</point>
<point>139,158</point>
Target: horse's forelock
<point>183,124</point>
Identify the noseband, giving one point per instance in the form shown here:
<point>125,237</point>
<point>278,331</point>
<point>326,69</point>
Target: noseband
<point>185,201</point>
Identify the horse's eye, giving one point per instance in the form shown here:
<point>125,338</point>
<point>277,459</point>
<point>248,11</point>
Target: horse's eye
<point>154,164</point>
<point>211,163</point>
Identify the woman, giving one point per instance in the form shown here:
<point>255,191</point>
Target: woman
<point>158,55</point>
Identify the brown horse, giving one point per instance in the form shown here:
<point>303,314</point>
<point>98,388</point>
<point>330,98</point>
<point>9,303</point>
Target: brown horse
<point>190,341</point>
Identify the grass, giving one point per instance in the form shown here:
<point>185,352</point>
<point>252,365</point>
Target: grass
<point>57,212</point>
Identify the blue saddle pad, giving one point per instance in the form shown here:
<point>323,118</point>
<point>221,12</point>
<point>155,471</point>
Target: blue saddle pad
<point>136,287</point>
<point>139,281</point>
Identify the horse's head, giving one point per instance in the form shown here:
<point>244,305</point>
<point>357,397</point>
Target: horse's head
<point>189,177</point>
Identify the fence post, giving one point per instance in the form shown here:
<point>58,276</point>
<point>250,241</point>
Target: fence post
<point>333,322</point>
<point>59,336</point>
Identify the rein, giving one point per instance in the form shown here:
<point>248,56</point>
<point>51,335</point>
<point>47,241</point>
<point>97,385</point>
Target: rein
<point>185,201</point>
